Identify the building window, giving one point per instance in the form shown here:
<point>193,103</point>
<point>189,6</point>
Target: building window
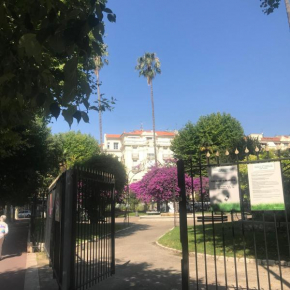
<point>135,147</point>
<point>108,145</point>
<point>165,148</point>
<point>116,145</point>
<point>150,156</point>
<point>149,138</point>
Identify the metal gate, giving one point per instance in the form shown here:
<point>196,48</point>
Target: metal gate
<point>80,228</point>
<point>240,248</point>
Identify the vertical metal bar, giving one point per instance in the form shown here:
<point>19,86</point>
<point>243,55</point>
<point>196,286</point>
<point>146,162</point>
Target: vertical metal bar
<point>256,256</point>
<point>74,220</point>
<point>101,240</point>
<point>67,243</point>
<point>234,248</point>
<point>203,225</point>
<point>77,232</point>
<point>86,238</point>
<point>286,210</point>
<point>92,223</point>
<point>194,225</point>
<point>83,232</point>
<point>278,251</point>
<point>245,256</point>
<point>183,226</point>
<point>243,218</point>
<point>90,183</point>
<point>97,234</point>
<point>266,250</point>
<point>214,249</point>
<point>106,239</point>
<point>96,230</point>
<point>224,251</point>
<point>100,237</point>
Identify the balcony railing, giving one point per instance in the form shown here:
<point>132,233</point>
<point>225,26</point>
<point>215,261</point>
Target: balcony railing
<point>135,156</point>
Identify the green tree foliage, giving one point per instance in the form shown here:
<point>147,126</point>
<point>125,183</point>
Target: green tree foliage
<point>47,51</point>
<point>109,164</point>
<point>270,5</point>
<point>76,147</point>
<point>29,167</point>
<point>214,132</point>
<point>148,66</point>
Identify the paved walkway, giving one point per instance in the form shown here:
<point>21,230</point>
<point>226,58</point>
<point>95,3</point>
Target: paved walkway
<point>20,270</point>
<point>141,264</point>
<point>13,264</point>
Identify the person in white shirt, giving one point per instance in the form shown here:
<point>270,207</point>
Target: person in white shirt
<point>3,232</point>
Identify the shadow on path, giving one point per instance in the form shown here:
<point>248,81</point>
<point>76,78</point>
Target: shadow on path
<point>143,276</point>
<point>13,264</point>
<point>132,229</point>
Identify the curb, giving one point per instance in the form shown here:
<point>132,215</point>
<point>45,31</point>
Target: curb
<point>228,259</point>
<point>31,281</point>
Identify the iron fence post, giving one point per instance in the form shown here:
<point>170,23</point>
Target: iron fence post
<point>113,231</point>
<point>67,243</point>
<point>183,226</point>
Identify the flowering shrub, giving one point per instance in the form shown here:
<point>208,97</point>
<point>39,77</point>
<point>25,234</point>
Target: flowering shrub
<point>160,184</point>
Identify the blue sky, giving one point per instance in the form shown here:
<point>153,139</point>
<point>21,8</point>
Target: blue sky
<point>216,56</point>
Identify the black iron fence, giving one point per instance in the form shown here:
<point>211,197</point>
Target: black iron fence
<point>80,228</point>
<point>38,222</point>
<point>242,244</point>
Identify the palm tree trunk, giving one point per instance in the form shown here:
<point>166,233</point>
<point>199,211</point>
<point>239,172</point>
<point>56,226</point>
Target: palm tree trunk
<point>100,111</point>
<point>153,121</point>
<point>287,4</point>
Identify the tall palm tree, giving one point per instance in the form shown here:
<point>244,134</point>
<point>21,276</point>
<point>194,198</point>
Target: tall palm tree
<point>287,4</point>
<point>148,66</point>
<point>99,63</point>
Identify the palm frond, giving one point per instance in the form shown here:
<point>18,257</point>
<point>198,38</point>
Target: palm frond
<point>148,66</point>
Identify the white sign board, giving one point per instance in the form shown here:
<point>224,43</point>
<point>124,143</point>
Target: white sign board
<point>265,183</point>
<point>224,188</point>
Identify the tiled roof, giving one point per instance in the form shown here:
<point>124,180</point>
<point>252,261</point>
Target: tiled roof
<point>165,133</point>
<point>270,139</point>
<point>158,133</point>
<point>113,136</point>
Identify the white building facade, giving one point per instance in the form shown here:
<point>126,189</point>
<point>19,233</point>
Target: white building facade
<point>282,142</point>
<point>136,150</point>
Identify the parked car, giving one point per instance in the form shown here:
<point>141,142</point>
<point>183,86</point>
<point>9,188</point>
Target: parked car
<point>24,214</point>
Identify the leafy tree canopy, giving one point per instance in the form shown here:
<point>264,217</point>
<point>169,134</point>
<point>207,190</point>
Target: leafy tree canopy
<point>76,147</point>
<point>269,5</point>
<point>29,167</point>
<point>211,133</point>
<point>47,51</point>
<point>109,164</point>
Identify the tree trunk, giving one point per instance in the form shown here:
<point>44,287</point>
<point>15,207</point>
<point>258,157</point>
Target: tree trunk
<point>153,121</point>
<point>287,4</point>
<point>100,111</point>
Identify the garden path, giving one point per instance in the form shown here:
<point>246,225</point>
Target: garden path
<point>142,264</point>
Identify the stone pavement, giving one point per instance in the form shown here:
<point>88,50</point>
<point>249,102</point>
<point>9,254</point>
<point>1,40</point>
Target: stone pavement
<point>142,264</point>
